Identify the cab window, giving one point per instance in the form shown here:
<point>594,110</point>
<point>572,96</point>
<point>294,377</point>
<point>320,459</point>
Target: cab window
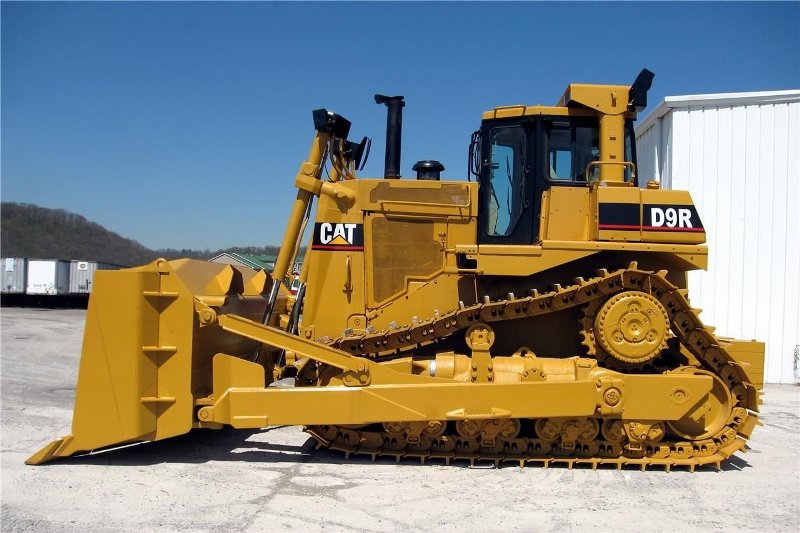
<point>570,148</point>
<point>506,180</point>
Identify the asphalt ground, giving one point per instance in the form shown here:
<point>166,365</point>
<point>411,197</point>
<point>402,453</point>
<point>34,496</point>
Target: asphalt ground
<point>275,480</point>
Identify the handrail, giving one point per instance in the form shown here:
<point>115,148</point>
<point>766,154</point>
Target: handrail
<point>622,163</point>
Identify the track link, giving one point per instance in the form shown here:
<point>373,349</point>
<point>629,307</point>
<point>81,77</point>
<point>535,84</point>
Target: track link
<point>667,453</point>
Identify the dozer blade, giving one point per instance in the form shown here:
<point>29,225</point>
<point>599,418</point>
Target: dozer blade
<point>147,353</point>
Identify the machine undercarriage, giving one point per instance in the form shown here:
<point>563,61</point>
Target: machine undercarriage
<point>625,306</point>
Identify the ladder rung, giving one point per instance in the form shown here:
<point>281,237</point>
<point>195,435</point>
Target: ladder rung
<point>157,294</point>
<point>160,349</point>
<point>158,399</point>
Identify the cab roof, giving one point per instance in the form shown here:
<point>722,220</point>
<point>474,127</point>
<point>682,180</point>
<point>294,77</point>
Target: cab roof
<point>578,100</point>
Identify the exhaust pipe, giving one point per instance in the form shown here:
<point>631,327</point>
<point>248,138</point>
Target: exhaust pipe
<point>394,129</point>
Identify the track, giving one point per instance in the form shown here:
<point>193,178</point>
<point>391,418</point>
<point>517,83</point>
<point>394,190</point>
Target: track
<point>536,443</point>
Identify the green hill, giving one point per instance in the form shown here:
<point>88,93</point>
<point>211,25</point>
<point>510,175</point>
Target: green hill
<point>37,232</point>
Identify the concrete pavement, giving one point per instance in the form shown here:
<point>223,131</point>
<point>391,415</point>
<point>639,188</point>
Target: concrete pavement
<point>274,479</point>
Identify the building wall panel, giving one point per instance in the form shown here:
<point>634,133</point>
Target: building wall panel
<point>791,302</point>
<point>739,159</point>
<point>647,155</point>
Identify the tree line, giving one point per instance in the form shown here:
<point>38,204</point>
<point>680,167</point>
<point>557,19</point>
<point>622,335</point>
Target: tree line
<point>37,232</point>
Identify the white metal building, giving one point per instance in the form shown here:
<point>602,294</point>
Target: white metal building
<point>739,156</point>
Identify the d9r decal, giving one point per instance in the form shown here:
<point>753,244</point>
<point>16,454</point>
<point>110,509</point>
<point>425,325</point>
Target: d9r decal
<point>671,218</point>
<point>654,217</point>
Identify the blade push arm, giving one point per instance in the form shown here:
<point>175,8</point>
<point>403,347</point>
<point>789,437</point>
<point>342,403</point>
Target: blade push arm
<point>329,126</point>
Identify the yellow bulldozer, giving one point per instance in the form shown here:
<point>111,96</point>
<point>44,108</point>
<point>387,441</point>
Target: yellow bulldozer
<point>536,314</point>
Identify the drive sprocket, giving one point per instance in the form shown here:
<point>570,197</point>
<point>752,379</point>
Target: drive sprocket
<point>625,331</point>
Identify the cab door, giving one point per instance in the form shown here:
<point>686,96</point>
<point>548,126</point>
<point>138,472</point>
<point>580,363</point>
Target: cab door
<point>507,185</point>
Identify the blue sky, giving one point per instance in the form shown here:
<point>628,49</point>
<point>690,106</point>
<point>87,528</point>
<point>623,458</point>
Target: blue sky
<point>183,124</point>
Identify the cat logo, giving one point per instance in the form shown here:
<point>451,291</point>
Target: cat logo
<point>346,236</point>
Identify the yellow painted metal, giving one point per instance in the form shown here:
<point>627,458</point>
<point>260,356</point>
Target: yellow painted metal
<point>155,401</point>
<point>326,273</point>
<point>286,341</point>
<point>523,110</point>
<point>497,260</point>
<point>389,273</point>
<point>632,326</point>
<point>312,184</point>
<point>435,222</point>
<point>147,351</point>
<point>679,229</point>
<point>708,417</point>
<point>749,355</point>
<point>170,346</point>
<point>607,103</point>
<point>310,168</point>
<point>642,397</point>
<point>612,155</point>
<point>677,200</point>
<point>616,197</point>
<point>566,214</point>
<point>519,260</point>
<point>423,198</point>
<point>605,99</point>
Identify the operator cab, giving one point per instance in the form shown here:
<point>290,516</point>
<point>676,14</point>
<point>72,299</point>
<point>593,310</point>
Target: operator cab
<point>522,157</point>
<point>522,151</point>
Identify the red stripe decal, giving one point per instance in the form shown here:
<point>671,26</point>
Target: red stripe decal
<point>619,226</point>
<point>624,227</point>
<point>664,228</point>
<point>338,247</point>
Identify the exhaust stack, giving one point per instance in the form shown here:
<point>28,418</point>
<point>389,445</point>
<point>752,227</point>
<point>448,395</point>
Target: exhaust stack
<point>394,129</point>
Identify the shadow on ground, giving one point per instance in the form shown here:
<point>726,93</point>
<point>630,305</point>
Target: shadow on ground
<point>201,446</point>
